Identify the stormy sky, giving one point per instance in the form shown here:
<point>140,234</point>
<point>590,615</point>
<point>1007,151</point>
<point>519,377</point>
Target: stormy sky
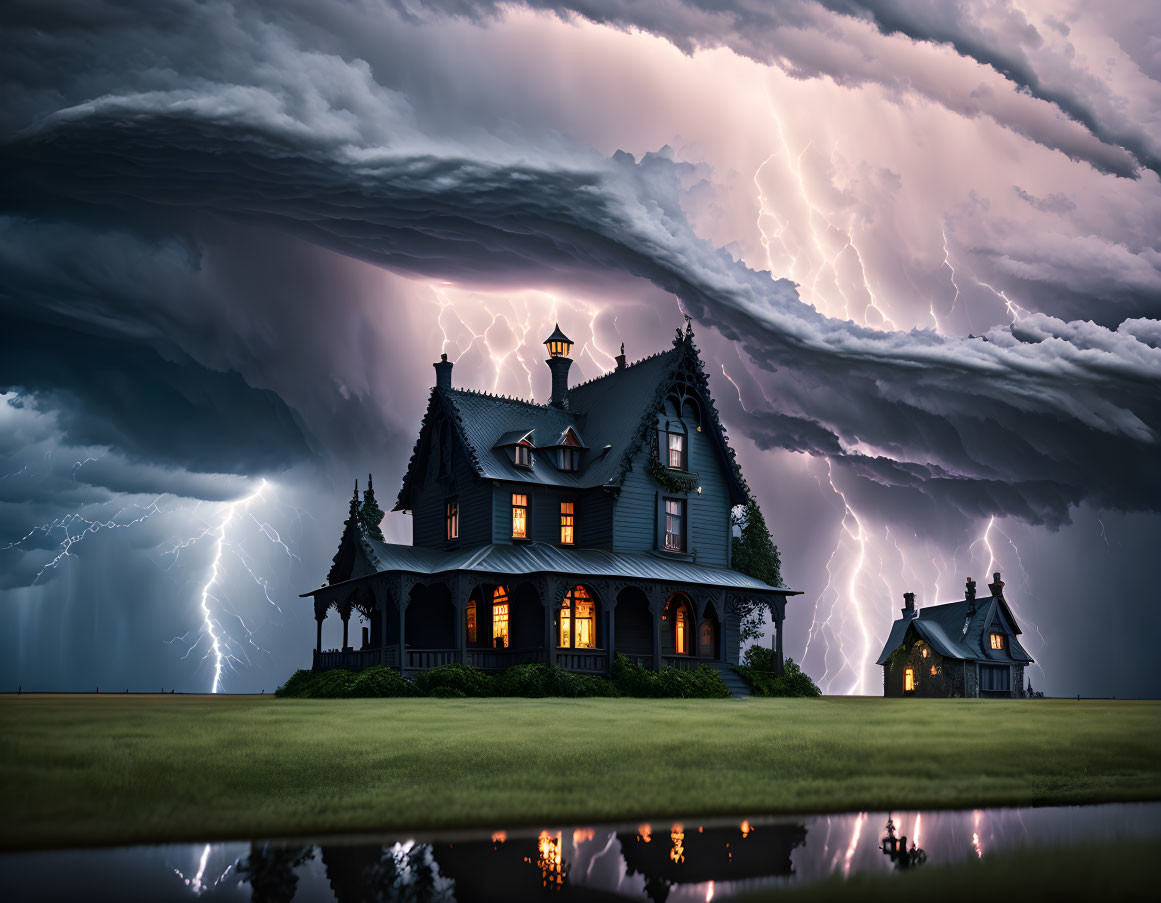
<point>918,242</point>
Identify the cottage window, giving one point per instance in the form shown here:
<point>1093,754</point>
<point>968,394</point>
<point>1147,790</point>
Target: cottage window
<point>677,451</point>
<point>675,525</point>
<point>567,523</point>
<point>909,680</point>
<point>452,518</point>
<point>578,620</point>
<point>471,621</point>
<point>933,671</point>
<point>519,515</point>
<point>924,653</point>
<point>568,458</point>
<point>523,455</point>
<point>500,618</point>
<point>997,640</point>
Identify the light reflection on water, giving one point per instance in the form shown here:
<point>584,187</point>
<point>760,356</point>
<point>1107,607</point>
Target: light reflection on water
<point>687,860</point>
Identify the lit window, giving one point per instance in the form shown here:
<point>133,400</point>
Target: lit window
<point>452,518</point>
<point>568,458</point>
<point>578,620</point>
<point>471,617</point>
<point>523,455</point>
<point>677,451</point>
<point>500,618</point>
<point>997,641</point>
<point>674,525</point>
<point>908,680</point>
<point>933,671</point>
<point>681,629</point>
<point>567,523</point>
<point>519,516</point>
<point>924,652</point>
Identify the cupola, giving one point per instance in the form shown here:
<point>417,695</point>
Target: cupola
<point>559,345</point>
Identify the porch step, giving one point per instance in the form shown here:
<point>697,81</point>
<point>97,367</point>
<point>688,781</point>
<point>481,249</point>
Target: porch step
<point>732,679</point>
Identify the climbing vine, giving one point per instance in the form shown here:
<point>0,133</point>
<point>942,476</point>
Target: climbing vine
<point>671,480</point>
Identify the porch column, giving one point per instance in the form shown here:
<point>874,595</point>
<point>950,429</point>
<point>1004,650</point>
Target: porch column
<point>402,590</point>
<point>460,592</point>
<point>551,595</point>
<point>611,630</point>
<point>778,617</point>
<point>318,634</point>
<point>656,606</point>
<point>383,597</point>
<point>345,614</point>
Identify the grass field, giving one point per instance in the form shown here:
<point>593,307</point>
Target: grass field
<point>104,769</point>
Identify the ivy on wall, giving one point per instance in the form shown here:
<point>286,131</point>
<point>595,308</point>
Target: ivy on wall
<point>672,480</point>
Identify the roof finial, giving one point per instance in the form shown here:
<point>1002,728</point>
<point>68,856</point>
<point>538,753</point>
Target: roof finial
<point>621,358</point>
<point>689,326</point>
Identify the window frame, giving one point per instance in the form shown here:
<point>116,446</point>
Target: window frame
<point>568,522</point>
<point>523,507</point>
<point>908,680</point>
<point>568,458</point>
<point>501,614</point>
<point>522,455</point>
<point>471,622</point>
<point>566,634</point>
<point>997,641</point>
<point>682,517</point>
<point>451,518</point>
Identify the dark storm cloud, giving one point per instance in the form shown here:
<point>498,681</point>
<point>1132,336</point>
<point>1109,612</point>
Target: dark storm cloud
<point>229,115</point>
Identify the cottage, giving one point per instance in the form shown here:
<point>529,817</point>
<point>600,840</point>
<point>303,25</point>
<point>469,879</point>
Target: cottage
<point>966,648</point>
<point>567,532</point>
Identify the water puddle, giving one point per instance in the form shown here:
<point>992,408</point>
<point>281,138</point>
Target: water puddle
<point>687,860</point>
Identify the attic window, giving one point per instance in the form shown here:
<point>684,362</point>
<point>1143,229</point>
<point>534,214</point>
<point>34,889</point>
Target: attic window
<point>568,458</point>
<point>997,640</point>
<point>523,454</point>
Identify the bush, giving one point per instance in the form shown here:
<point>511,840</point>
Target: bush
<point>467,680</point>
<point>381,681</point>
<point>296,684</point>
<point>540,680</point>
<point>340,684</point>
<point>757,669</point>
<point>631,679</point>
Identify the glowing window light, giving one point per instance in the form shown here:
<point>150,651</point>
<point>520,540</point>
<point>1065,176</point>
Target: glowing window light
<point>500,618</point>
<point>645,832</point>
<point>997,640</point>
<point>908,680</point>
<point>471,618</point>
<point>677,841</point>
<point>745,828</point>
<point>519,516</point>
<point>567,523</point>
<point>682,630</point>
<point>550,860</point>
<point>578,620</point>
<point>934,670</point>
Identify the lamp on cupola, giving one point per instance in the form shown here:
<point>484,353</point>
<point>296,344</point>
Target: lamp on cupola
<point>559,345</point>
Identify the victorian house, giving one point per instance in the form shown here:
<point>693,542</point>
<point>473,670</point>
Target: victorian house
<point>568,532</point>
<point>964,648</point>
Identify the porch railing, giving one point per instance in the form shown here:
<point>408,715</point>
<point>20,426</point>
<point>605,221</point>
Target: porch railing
<point>593,661</point>
<point>685,662</point>
<point>422,659</point>
<point>499,659</point>
<point>356,659</point>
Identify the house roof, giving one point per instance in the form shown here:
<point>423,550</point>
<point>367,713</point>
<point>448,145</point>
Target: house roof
<point>955,630</point>
<point>617,409</point>
<point>541,558</point>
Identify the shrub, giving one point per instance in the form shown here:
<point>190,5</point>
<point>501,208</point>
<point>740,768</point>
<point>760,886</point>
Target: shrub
<point>757,669</point>
<point>381,681</point>
<point>539,680</point>
<point>336,684</point>
<point>296,684</point>
<point>468,680</point>
<point>631,679</point>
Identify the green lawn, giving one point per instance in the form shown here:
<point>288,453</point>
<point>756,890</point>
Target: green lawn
<point>99,769</point>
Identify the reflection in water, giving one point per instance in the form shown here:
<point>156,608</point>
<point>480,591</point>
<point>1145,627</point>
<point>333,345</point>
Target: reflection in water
<point>685,862</point>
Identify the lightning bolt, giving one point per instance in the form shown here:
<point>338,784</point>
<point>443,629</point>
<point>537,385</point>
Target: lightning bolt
<point>1014,309</point>
<point>947,263</point>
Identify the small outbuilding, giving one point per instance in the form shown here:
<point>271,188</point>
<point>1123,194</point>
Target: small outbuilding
<point>967,648</point>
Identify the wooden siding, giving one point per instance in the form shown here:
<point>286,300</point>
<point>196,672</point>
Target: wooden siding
<point>432,492</point>
<point>635,520</point>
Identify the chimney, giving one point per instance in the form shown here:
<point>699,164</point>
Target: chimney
<point>443,372</point>
<point>621,358</point>
<point>559,345</point>
<point>909,605</point>
<point>969,593</point>
<point>997,586</point>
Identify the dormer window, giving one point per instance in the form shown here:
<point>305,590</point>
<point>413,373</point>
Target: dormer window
<point>568,458</point>
<point>523,455</point>
<point>997,640</point>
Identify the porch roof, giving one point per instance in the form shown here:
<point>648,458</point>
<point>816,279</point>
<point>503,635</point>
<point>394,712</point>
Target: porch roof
<point>543,558</point>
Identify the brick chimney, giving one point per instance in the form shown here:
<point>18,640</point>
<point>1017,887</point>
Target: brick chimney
<point>909,605</point>
<point>443,369</point>
<point>997,586</point>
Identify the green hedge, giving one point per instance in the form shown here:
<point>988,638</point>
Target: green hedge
<point>538,680</point>
<point>757,669</point>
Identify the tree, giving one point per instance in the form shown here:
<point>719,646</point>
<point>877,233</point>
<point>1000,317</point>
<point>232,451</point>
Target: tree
<point>371,513</point>
<point>755,555</point>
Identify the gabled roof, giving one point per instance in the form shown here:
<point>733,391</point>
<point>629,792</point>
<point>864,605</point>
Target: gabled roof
<point>954,630</point>
<point>617,409</point>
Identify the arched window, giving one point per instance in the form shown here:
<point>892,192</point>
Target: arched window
<point>578,620</point>
<point>681,630</point>
<point>673,445</point>
<point>470,615</point>
<point>500,618</point>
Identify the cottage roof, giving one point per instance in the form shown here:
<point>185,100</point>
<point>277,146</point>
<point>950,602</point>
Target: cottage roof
<point>955,630</point>
<point>616,409</point>
<point>542,558</point>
